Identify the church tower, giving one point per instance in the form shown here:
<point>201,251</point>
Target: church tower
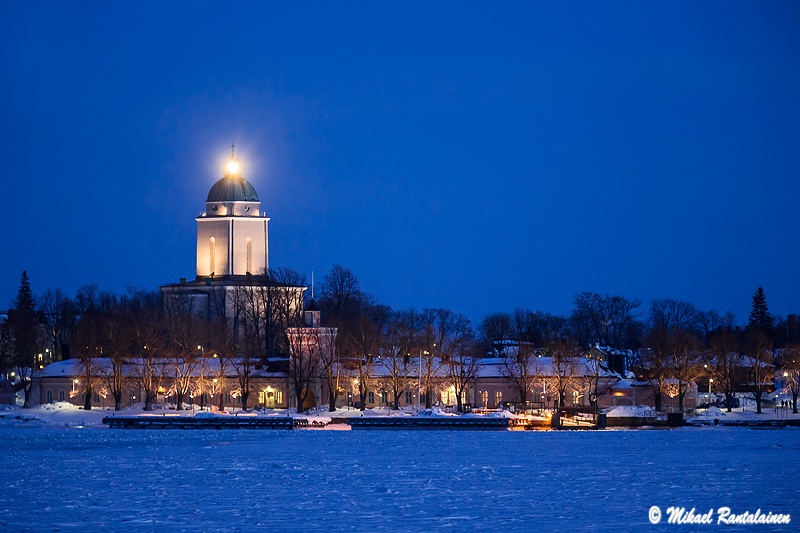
<point>232,234</point>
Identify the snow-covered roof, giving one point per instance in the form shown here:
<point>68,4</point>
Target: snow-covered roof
<point>496,367</point>
<point>102,366</point>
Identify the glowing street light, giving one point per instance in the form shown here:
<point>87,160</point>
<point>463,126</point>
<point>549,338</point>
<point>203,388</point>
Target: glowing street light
<point>710,381</point>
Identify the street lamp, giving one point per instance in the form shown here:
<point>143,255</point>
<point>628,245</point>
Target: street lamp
<point>710,381</point>
<point>419,377</point>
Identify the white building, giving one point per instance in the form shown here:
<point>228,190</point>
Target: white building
<point>232,249</point>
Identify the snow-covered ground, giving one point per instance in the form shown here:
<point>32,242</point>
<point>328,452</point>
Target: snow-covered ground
<point>64,414</point>
<point>747,412</point>
<point>81,479</point>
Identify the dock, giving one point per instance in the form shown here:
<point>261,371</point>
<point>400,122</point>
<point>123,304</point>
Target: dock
<point>430,422</point>
<point>217,422</point>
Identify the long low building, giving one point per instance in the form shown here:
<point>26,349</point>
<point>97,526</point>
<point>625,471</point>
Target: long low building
<point>211,382</point>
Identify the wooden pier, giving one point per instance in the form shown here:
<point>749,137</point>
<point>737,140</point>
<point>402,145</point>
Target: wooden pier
<point>430,422</point>
<point>216,422</point>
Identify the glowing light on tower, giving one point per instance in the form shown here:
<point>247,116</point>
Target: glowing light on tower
<point>233,165</point>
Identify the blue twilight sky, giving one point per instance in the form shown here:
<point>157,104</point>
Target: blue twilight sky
<point>460,155</point>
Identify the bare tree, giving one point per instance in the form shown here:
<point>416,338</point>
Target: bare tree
<point>223,342</point>
<point>304,362</point>
<point>495,328</point>
<point>454,346</point>
<point>118,337</point>
<point>686,362</point>
<point>671,314</point>
<point>759,362</point>
<point>341,294</point>
<point>400,342</point>
<point>330,364</point>
<point>608,320</point>
<point>724,364</point>
<point>521,368</point>
<point>599,380</point>
<point>565,371</point>
<point>186,337</point>
<point>430,366</point>
<point>520,361</point>
<point>88,346</point>
<point>245,304</point>
<point>148,342</point>
<point>462,369</point>
<point>655,357</point>
<point>365,344</point>
<point>55,310</point>
<point>790,358</point>
<point>709,321</point>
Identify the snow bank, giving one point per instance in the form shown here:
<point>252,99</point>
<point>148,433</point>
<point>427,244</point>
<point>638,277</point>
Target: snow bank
<point>625,411</point>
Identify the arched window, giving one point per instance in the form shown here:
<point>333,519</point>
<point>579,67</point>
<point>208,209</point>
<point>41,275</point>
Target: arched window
<point>249,243</point>
<point>212,255</point>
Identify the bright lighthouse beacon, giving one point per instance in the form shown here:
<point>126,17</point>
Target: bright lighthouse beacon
<point>232,234</point>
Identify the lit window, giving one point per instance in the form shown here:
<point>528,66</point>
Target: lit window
<point>278,396</point>
<point>249,244</point>
<point>212,249</point>
<point>498,398</point>
<point>262,396</point>
<point>485,398</point>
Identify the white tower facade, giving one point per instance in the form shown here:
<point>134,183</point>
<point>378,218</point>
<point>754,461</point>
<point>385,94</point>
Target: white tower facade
<point>233,233</point>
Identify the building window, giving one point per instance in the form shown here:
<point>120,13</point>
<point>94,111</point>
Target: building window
<point>384,397</point>
<point>212,254</point>
<point>278,396</point>
<point>96,398</point>
<point>227,397</point>
<point>49,396</point>
<point>498,398</point>
<point>408,397</point>
<point>484,398</point>
<point>249,246</point>
<point>131,395</point>
<point>61,396</point>
<point>576,398</point>
<point>262,397</point>
<point>370,397</point>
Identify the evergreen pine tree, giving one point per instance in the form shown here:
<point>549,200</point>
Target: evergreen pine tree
<point>760,318</point>
<point>25,332</point>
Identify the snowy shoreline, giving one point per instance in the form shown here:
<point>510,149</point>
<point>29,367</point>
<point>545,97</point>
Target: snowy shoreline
<point>67,415</point>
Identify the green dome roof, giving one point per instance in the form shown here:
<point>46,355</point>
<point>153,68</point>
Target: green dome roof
<point>232,188</point>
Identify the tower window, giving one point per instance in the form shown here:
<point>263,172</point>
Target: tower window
<point>249,243</point>
<point>212,248</point>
